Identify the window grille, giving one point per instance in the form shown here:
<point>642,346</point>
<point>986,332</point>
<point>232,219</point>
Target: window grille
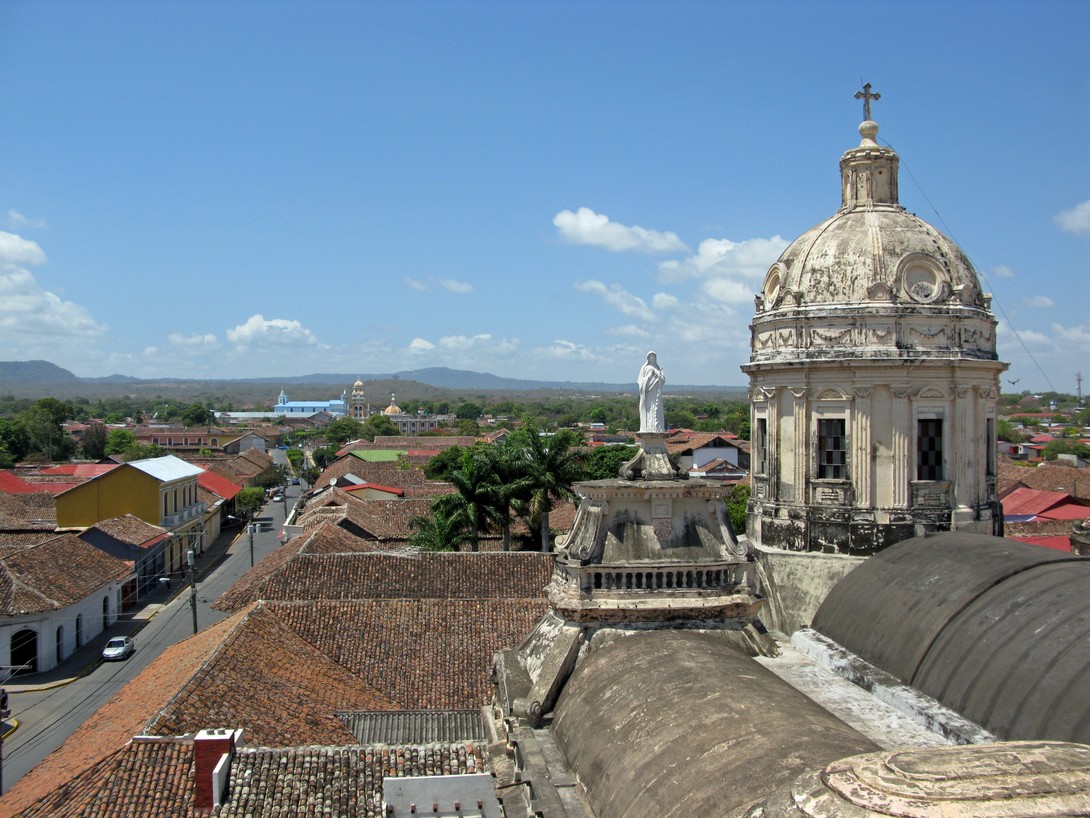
<point>832,450</point>
<point>929,449</point>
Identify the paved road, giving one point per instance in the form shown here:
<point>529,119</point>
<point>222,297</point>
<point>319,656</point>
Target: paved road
<point>46,717</point>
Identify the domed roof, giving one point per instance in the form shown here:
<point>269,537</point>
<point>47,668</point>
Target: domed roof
<point>871,249</point>
<point>393,408</point>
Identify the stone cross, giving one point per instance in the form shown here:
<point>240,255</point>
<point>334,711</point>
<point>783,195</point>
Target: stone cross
<point>867,96</point>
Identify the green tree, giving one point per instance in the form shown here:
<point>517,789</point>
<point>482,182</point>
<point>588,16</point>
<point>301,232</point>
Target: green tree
<point>142,451</point>
<point>248,502</point>
<point>552,464</point>
<point>14,439</point>
<point>604,462</point>
<point>119,441</point>
<point>93,442</point>
<point>737,499</point>
<point>448,460</point>
<point>1058,447</point>
<point>42,422</point>
<point>468,411</point>
<point>438,531</point>
<point>323,456</point>
<point>342,430</point>
<point>198,414</point>
<point>379,426</point>
<point>476,484</point>
<point>512,482</point>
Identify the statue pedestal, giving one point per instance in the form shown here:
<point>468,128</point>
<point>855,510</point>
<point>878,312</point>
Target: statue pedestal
<point>653,462</point>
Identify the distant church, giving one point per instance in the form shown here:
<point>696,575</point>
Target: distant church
<point>873,378</point>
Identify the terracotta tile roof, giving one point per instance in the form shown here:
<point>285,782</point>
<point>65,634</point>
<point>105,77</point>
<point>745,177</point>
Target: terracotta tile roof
<point>386,520</point>
<point>277,687</point>
<point>18,540</point>
<point>416,442</point>
<point>425,654</point>
<point>55,574</point>
<point>337,781</point>
<point>142,778</point>
<point>326,538</point>
<point>117,721</point>
<point>17,514</point>
<point>35,506</point>
<point>1045,477</point>
<point>130,530</point>
<point>517,575</point>
<point>154,777</point>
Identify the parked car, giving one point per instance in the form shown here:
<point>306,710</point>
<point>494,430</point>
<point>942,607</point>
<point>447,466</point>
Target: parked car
<point>119,647</point>
<point>295,481</point>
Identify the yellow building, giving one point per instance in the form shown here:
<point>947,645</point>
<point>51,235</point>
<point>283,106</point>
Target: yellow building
<point>159,490</point>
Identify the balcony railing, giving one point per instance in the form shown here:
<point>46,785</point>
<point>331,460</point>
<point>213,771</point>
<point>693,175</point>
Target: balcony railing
<point>719,577</point>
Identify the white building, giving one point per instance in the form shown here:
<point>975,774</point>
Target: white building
<point>873,378</point>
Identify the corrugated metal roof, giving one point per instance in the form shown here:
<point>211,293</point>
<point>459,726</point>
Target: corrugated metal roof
<point>414,726</point>
<point>166,468</point>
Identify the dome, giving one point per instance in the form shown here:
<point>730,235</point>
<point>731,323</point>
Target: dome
<point>872,260</point>
<point>393,408</point>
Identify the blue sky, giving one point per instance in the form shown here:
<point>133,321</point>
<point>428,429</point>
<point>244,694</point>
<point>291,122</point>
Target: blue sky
<point>538,190</point>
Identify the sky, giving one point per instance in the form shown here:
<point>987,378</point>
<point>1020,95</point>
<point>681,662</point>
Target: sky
<point>540,190</point>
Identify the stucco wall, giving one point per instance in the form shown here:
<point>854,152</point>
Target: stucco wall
<point>795,583</point>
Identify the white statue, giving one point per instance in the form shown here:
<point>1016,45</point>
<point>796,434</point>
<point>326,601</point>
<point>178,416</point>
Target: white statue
<point>651,381</point>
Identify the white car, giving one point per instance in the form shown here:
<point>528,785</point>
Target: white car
<point>119,647</point>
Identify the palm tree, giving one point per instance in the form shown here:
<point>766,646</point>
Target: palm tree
<point>438,531</point>
<point>511,482</point>
<point>552,464</point>
<point>476,497</point>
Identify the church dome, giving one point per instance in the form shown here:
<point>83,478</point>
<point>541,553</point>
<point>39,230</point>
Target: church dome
<point>872,260</point>
<point>393,408</point>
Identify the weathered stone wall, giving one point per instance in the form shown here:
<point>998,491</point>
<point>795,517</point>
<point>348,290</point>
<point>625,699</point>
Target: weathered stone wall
<point>795,583</point>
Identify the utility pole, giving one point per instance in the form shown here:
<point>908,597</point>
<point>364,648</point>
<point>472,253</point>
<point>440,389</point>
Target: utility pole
<point>192,586</point>
<point>251,529</point>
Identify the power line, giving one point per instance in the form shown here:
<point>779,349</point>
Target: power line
<point>995,297</point>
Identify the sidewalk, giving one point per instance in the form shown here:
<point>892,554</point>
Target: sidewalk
<point>89,655</point>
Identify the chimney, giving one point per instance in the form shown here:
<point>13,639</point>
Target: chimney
<point>212,752</point>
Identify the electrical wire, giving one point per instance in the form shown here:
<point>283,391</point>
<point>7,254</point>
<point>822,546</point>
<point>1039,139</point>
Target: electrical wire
<point>995,298</point>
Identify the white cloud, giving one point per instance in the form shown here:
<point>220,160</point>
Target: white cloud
<point>1073,337</point>
<point>17,250</point>
<point>420,345</point>
<point>722,257</point>
<point>728,291</point>
<point>628,331</point>
<point>1002,271</point>
<point>449,284</point>
<point>464,342</point>
<point>566,350</point>
<point>32,318</point>
<point>278,332</point>
<point>195,340</point>
<point>1075,220</point>
<point>664,301</point>
<point>1038,302</point>
<point>17,220</point>
<point>459,287</point>
<point>587,227</point>
<point>619,298</point>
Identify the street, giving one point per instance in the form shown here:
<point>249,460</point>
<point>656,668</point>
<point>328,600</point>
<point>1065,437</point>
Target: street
<point>47,717</point>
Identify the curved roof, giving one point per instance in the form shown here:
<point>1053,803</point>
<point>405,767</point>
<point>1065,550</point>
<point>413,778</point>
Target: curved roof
<point>995,629</point>
<point>706,730</point>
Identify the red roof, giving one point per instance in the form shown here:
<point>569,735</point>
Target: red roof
<point>217,484</point>
<point>376,487</point>
<point>1057,543</point>
<point>80,469</point>
<point>1051,505</point>
<point>13,484</point>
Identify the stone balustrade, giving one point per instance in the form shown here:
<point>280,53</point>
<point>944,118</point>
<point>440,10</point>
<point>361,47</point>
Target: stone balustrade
<point>717,577</point>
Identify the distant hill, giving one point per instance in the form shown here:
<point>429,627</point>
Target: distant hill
<point>34,372</point>
<point>13,373</point>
